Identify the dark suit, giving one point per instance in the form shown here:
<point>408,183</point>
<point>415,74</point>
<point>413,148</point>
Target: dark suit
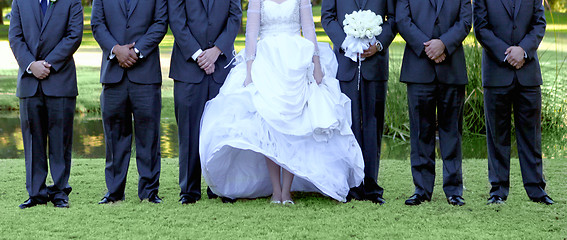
<point>198,25</point>
<point>435,91</point>
<point>131,92</point>
<point>47,106</point>
<point>498,25</point>
<point>369,102</point>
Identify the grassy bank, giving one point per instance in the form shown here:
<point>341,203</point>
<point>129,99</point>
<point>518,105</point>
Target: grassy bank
<point>313,217</point>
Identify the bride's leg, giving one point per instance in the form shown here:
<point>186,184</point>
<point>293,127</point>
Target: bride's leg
<point>286,188</point>
<point>274,171</point>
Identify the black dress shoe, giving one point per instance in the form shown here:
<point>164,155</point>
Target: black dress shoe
<point>227,200</point>
<point>545,200</point>
<point>375,199</point>
<point>105,200</point>
<point>31,203</point>
<point>456,200</point>
<point>211,194</point>
<point>154,198</point>
<point>60,203</point>
<point>187,200</point>
<point>495,200</point>
<point>416,199</point>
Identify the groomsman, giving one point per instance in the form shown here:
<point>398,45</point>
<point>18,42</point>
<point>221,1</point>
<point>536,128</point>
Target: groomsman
<point>129,31</point>
<point>510,32</point>
<point>435,72</point>
<point>44,36</point>
<point>368,102</point>
<point>204,32</point>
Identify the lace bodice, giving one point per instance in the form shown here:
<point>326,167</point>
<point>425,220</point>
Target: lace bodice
<point>279,17</point>
<point>268,17</point>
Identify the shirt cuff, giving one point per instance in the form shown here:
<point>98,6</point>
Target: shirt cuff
<point>140,55</point>
<point>28,68</point>
<point>379,46</point>
<point>525,54</point>
<point>196,54</point>
<point>112,55</point>
<point>506,58</point>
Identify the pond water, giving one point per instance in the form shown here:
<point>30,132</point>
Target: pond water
<point>88,141</point>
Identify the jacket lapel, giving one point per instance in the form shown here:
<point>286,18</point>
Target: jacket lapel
<point>133,5</point>
<point>205,6</point>
<point>48,14</point>
<point>506,4</point>
<point>123,6</point>
<point>210,5</point>
<point>433,4</point>
<point>36,13</point>
<point>439,6</point>
<point>363,4</point>
<point>518,5</point>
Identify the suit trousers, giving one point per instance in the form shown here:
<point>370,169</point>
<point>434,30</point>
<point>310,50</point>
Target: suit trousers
<point>436,107</point>
<point>526,105</point>
<point>47,120</point>
<point>190,99</point>
<point>120,102</point>
<point>368,105</point>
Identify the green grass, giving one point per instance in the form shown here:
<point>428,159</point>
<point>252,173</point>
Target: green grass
<point>313,216</point>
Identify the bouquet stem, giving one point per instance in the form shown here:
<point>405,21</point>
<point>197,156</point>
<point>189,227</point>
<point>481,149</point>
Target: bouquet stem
<point>359,72</point>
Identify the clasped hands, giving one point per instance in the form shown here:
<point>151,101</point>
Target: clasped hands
<point>125,55</point>
<point>515,56</point>
<point>435,50</point>
<point>40,69</point>
<point>207,59</point>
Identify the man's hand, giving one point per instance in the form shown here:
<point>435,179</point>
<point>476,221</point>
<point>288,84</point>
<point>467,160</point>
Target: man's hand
<point>125,55</point>
<point>440,59</point>
<point>434,48</point>
<point>208,58</point>
<point>373,49</point>
<point>210,70</point>
<point>40,69</point>
<point>516,56</point>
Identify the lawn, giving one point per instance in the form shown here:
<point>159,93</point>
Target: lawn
<point>313,216</point>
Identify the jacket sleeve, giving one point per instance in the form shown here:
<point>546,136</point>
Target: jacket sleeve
<point>100,32</point>
<point>531,41</point>
<point>157,30</point>
<point>410,32</point>
<point>330,22</point>
<point>72,39</point>
<point>178,24</point>
<point>457,33</point>
<point>495,46</point>
<point>389,29</point>
<point>17,41</point>
<point>225,41</point>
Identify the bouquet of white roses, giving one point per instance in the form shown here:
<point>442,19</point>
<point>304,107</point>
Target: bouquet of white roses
<point>361,28</point>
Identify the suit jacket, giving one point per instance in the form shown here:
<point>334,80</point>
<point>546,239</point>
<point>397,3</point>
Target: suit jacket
<point>143,22</point>
<point>54,38</point>
<point>197,25</point>
<point>333,13</point>
<point>499,25</point>
<point>417,20</point>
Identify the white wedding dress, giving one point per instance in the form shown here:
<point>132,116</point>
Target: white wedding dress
<point>283,114</point>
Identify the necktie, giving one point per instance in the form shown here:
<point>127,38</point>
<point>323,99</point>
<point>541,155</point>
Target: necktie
<point>43,4</point>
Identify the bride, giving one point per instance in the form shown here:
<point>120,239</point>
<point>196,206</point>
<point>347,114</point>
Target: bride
<point>280,114</point>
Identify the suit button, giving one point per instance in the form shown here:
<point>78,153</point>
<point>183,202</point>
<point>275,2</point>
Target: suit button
<point>515,26</point>
<point>127,27</point>
<point>40,39</point>
<point>436,21</point>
